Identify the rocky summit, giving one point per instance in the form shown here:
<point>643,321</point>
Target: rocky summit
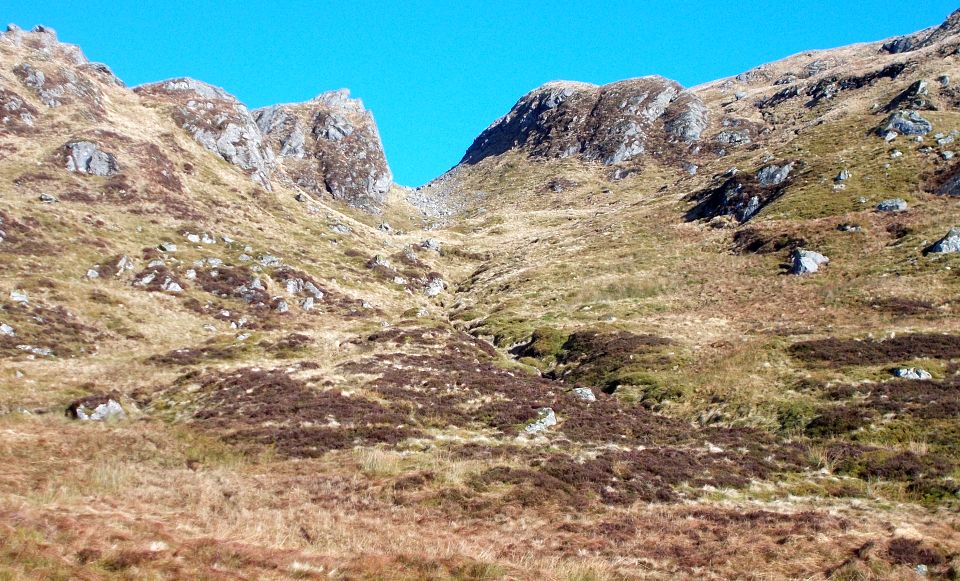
<point>639,331</point>
<point>611,124</point>
<point>329,146</point>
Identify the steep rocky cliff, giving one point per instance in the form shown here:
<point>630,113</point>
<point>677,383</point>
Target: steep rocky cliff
<point>329,145</point>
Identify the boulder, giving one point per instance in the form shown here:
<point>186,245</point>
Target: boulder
<point>434,287</point>
<point>96,408</point>
<point>583,393</point>
<point>892,205</point>
<point>546,418</point>
<point>914,373</point>
<point>806,261</point>
<point>906,123</point>
<point>898,45</point>
<point>431,244</point>
<point>774,175</point>
<point>85,157</point>
<point>948,244</point>
<point>7,330</point>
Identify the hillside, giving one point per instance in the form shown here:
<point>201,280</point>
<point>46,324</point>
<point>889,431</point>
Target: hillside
<point>640,331</point>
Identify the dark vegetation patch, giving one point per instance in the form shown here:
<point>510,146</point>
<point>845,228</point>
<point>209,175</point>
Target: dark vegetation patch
<point>288,346</point>
<point>24,236</point>
<point>870,462</point>
<point>452,382</point>
<point>898,230</point>
<point>611,360</point>
<point>193,356</point>
<point>261,407</point>
<point>53,328</point>
<point>836,352</point>
<point>913,552</point>
<point>621,477</point>
<point>921,399</point>
<point>902,306</point>
<point>758,241</point>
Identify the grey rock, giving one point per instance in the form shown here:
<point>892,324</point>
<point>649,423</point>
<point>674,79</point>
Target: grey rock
<point>774,175</point>
<point>890,136</point>
<point>546,418</point>
<point>584,393</point>
<point>146,279</point>
<point>156,263</point>
<point>379,262</point>
<point>124,263</point>
<point>740,95</point>
<point>806,261</point>
<point>947,155</point>
<point>892,205</point>
<point>171,286</point>
<point>896,154</point>
<point>39,351</point>
<point>906,123</point>
<point>96,409</point>
<point>7,330</point>
<point>93,273</point>
<point>898,45</point>
<point>434,287</point>
<point>843,176</point>
<point>948,244</point>
<point>84,157</point>
<point>914,373</point>
<point>945,140</point>
<point>944,81</point>
<point>307,304</point>
<point>384,227</point>
<point>733,137</point>
<point>281,306</point>
<point>431,244</point>
<point>341,229</point>
<point>19,296</point>
<point>167,247</point>
<point>48,199</point>
<point>269,261</point>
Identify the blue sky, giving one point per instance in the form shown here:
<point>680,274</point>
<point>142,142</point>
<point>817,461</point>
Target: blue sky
<point>437,73</point>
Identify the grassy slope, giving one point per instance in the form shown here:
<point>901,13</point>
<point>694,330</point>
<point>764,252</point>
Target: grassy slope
<point>160,495</point>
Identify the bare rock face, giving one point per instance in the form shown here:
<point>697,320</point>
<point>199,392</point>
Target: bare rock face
<point>218,121</point>
<point>329,146</point>
<point>610,124</point>
<point>85,157</point>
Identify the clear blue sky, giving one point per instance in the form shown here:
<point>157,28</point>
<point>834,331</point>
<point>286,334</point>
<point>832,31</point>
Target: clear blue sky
<point>437,73</point>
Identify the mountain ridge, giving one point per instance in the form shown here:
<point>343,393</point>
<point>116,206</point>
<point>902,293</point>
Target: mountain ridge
<point>231,347</point>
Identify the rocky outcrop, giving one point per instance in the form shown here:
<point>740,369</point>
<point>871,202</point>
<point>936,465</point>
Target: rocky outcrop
<point>85,157</point>
<point>57,73</point>
<point>924,38</point>
<point>610,124</point>
<point>329,146</point>
<point>741,195</point>
<point>218,121</point>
